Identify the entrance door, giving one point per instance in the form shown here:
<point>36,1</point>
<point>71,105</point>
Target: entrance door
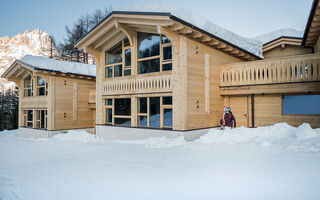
<point>239,108</point>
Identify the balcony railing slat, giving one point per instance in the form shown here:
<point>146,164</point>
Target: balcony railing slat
<point>299,68</point>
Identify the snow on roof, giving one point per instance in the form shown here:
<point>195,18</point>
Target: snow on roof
<point>49,64</point>
<point>248,44</point>
<point>285,32</point>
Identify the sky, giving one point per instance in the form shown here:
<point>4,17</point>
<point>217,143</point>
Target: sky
<point>247,18</point>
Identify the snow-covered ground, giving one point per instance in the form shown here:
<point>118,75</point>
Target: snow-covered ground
<point>275,162</point>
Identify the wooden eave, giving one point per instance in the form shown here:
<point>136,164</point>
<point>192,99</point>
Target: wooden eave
<point>312,31</point>
<point>18,70</point>
<point>119,25</point>
<point>282,41</point>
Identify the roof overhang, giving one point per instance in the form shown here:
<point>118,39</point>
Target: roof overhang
<point>312,31</point>
<point>282,41</point>
<point>19,70</point>
<point>120,24</point>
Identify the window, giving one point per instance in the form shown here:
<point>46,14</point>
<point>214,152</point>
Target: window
<point>109,115</point>
<point>122,111</point>
<point>118,60</point>
<point>108,108</point>
<point>122,106</point>
<point>41,119</point>
<point>114,55</point>
<point>29,118</point>
<point>148,45</point>
<point>117,70</point>
<point>108,102</point>
<point>28,85</point>
<point>151,110</point>
<point>149,66</point>
<point>154,112</point>
<point>301,104</point>
<point>154,53</point>
<point>42,86</point>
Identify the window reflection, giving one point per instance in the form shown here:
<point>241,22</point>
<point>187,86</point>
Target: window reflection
<point>114,55</point>
<point>149,66</point>
<point>148,45</point>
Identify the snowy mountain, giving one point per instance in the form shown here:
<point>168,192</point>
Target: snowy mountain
<point>289,32</point>
<point>36,42</point>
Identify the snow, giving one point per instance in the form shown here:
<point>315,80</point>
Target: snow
<point>285,32</point>
<point>248,44</point>
<point>58,65</point>
<point>274,162</point>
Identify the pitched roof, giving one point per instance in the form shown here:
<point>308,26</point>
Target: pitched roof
<point>43,63</point>
<point>278,34</point>
<point>312,30</point>
<point>248,45</point>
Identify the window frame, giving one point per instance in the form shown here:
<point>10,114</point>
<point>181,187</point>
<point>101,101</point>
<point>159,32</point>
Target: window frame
<point>28,88</point>
<point>45,86</point>
<point>122,63</point>
<point>160,56</point>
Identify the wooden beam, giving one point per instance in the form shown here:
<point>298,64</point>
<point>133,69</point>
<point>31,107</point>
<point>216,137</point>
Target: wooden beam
<point>235,51</point>
<point>176,27</point>
<point>196,35</point>
<point>228,49</point>
<point>214,43</point>
<point>222,46</point>
<point>53,73</point>
<point>127,30</point>
<point>105,39</point>
<point>186,30</point>
<point>18,74</point>
<point>206,39</point>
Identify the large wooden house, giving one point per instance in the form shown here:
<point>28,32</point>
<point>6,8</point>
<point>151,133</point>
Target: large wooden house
<point>170,70</point>
<point>54,96</point>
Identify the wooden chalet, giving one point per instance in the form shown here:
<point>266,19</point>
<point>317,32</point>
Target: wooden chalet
<point>53,95</point>
<point>156,70</point>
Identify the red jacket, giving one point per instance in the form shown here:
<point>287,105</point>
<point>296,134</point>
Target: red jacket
<point>230,119</point>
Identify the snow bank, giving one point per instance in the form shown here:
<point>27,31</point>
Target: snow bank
<point>303,138</point>
<point>285,32</point>
<point>250,45</point>
<point>58,65</point>
<point>79,136</point>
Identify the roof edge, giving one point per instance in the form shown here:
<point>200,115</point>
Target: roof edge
<point>310,18</point>
<point>282,37</point>
<point>174,18</point>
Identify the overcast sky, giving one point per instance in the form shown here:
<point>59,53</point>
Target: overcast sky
<point>247,18</point>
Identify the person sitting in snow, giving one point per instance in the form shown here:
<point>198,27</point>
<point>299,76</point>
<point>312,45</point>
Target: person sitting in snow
<point>228,118</point>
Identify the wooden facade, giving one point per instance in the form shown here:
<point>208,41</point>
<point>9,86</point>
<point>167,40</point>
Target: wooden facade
<point>62,103</point>
<point>207,73</point>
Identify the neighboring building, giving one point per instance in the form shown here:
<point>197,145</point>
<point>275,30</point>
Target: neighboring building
<point>174,70</point>
<point>285,87</point>
<point>53,95</point>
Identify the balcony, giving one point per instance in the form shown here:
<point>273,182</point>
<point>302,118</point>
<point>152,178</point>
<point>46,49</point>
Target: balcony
<point>33,102</point>
<point>293,69</point>
<point>139,84</point>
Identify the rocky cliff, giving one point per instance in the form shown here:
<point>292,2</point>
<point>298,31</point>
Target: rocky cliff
<point>34,42</point>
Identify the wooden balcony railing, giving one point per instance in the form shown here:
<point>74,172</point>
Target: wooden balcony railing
<point>92,96</point>
<point>34,102</point>
<point>138,84</point>
<point>293,69</point>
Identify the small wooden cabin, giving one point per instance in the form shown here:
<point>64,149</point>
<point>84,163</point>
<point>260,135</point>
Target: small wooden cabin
<point>53,95</point>
<point>166,70</point>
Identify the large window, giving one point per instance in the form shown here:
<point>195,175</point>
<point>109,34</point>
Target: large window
<point>117,111</point>
<point>38,121</point>
<point>41,119</point>
<point>118,60</point>
<point>155,112</point>
<point>28,118</point>
<point>301,104</point>
<point>42,86</point>
<point>28,86</point>
<point>154,53</point>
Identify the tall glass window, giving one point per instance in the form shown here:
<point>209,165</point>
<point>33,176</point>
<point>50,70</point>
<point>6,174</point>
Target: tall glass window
<point>148,45</point>
<point>42,86</point>
<point>28,86</point>
<point>155,112</point>
<point>114,55</point>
